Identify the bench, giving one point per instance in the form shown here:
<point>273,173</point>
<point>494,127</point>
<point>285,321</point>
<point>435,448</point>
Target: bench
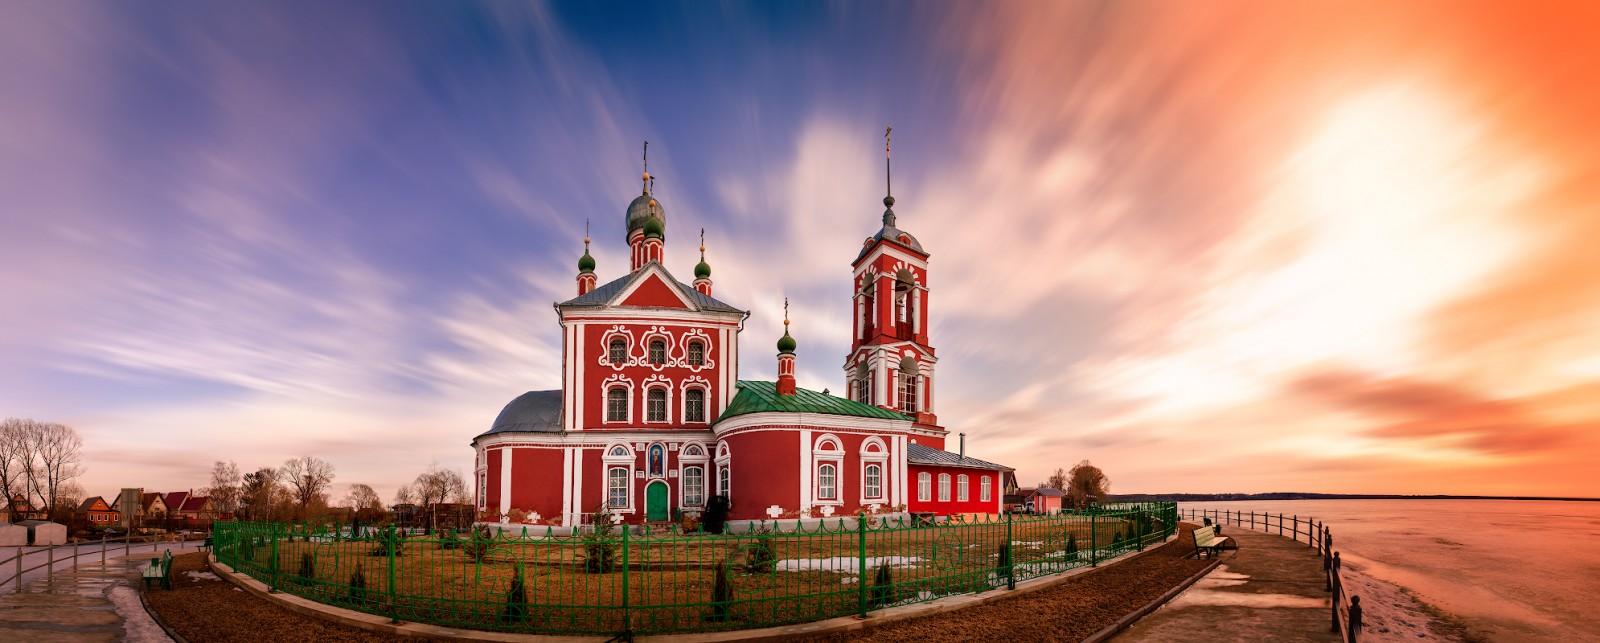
<point>1207,540</point>
<point>158,571</point>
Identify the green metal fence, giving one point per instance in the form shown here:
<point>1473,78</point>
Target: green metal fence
<point>644,580</point>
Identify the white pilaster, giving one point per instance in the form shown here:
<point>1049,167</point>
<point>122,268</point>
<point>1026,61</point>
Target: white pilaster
<point>566,487</point>
<point>805,469</point>
<point>505,481</point>
<point>880,395</point>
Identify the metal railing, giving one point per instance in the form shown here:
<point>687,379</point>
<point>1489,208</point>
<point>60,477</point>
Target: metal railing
<point>17,561</point>
<point>1345,612</point>
<point>640,580</point>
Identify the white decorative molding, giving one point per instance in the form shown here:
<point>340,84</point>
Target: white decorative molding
<point>774,511</point>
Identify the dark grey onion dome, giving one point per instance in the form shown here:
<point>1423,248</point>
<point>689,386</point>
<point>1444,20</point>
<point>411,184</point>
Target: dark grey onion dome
<point>640,210</point>
<point>531,412</point>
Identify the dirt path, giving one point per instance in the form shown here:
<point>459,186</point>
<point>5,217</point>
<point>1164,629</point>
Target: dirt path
<point>1070,611</point>
<point>203,607</point>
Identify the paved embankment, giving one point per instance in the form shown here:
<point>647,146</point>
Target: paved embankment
<point>1271,589</point>
<point>94,602</point>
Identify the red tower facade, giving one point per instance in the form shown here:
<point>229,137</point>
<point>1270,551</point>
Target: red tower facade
<point>652,421</point>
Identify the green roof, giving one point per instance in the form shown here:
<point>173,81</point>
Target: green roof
<point>762,397</point>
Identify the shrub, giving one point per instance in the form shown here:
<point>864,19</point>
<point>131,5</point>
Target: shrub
<point>308,568</point>
<point>355,526</point>
<point>358,587</point>
<point>516,600</point>
<point>1072,546</point>
<point>477,546</point>
<point>1116,541</point>
<point>599,550</point>
<point>1005,557</point>
<point>721,594</point>
<point>448,539</point>
<point>759,557</point>
<point>388,542</point>
<point>716,515</point>
<point>882,587</point>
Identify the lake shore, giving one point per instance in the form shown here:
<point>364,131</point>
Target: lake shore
<point>1477,569</point>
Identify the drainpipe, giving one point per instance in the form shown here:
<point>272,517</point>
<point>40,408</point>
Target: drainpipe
<point>963,446</point>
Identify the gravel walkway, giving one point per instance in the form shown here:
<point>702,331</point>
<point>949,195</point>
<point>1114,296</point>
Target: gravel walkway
<point>1070,611</point>
<point>202,607</point>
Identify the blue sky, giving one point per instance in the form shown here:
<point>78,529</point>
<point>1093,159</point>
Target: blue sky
<point>250,231</point>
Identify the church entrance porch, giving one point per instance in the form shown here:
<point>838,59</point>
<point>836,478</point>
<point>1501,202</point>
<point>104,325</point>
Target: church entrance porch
<point>655,502</point>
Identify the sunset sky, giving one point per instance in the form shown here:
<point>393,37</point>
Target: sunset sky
<point>1210,246</point>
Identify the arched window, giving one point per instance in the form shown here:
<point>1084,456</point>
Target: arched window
<point>617,487</point>
<point>863,383</point>
<point>694,486</point>
<point>617,405</point>
<point>908,385</point>
<point>984,493</point>
<point>658,351</point>
<point>944,487</point>
<point>961,487</point>
<point>656,405</point>
<point>873,481</point>
<point>697,354</point>
<point>694,405</point>
<point>723,478</point>
<point>924,486</point>
<point>618,451</point>
<point>826,477</point>
<point>693,451</point>
<point>619,350</point>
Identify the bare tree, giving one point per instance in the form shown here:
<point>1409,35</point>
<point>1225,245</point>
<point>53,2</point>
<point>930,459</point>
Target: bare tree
<point>307,479</point>
<point>436,485</point>
<point>13,456</point>
<point>257,491</point>
<point>68,496</point>
<point>1058,480</point>
<point>363,497</point>
<point>225,489</point>
<point>1087,482</point>
<point>51,457</point>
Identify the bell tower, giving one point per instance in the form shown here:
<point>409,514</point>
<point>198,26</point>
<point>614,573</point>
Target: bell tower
<point>891,363</point>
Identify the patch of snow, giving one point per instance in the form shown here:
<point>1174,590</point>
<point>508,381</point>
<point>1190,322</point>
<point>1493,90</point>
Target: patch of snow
<point>843,564</point>
<point>136,622</point>
<point>196,576</point>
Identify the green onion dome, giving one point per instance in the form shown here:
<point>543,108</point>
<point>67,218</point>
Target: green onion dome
<point>786,343</point>
<point>654,228</point>
<point>702,270</point>
<point>586,262</point>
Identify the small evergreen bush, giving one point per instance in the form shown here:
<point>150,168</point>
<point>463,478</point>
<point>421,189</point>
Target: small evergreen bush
<point>882,587</point>
<point>358,587</point>
<point>599,550</point>
<point>308,568</point>
<point>516,600</point>
<point>721,594</point>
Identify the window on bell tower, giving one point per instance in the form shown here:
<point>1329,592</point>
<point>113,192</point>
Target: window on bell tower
<point>908,385</point>
<point>863,383</point>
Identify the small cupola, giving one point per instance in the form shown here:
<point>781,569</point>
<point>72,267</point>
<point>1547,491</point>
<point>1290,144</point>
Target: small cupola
<point>702,270</point>
<point>786,346</point>
<point>586,277</point>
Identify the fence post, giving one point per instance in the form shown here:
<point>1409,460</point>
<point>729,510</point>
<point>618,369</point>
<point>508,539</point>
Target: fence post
<point>861,582</point>
<point>50,569</point>
<point>1295,534</point>
<point>18,588</point>
<point>1355,617</point>
<point>272,532</point>
<point>1334,618</point>
<point>394,604</point>
<point>1280,524</point>
<point>1011,565</point>
<point>1094,540</point>
<point>627,621</point>
<point>103,548</point>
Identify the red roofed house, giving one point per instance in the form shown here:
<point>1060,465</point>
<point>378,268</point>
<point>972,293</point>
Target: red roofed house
<point>652,416</point>
<point>95,512</point>
<point>1044,500</point>
<point>191,509</point>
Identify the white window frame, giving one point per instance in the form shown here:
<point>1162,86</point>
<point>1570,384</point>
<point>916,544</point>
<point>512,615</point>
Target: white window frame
<point>611,347</point>
<point>617,381</point>
<point>828,449</point>
<point>650,351</point>
<point>612,480</point>
<point>944,487</point>
<point>666,403</point>
<point>724,467</point>
<point>867,472</point>
<point>961,488</point>
<point>624,459</point>
<point>627,404</point>
<point>688,352</point>
<point>874,452</point>
<point>694,455</point>
<point>690,501</point>
<point>705,396</point>
<point>985,489</point>
<point>827,482</point>
<point>925,487</point>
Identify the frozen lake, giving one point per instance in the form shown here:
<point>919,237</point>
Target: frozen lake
<point>1512,569</point>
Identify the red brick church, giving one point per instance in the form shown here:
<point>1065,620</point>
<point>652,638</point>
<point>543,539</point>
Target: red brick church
<point>652,417</point>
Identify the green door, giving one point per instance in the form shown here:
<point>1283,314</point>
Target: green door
<point>655,502</point>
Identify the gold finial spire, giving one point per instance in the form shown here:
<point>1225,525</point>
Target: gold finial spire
<point>786,315</point>
<point>887,179</point>
<point>647,167</point>
<point>702,244</point>
<point>585,235</point>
